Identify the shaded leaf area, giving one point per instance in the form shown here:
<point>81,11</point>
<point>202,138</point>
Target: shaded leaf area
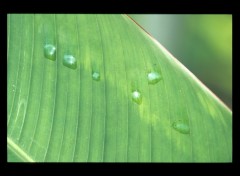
<point>108,93</point>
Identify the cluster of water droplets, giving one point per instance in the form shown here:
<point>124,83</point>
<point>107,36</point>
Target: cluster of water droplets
<point>71,62</point>
<point>153,77</point>
<point>68,60</point>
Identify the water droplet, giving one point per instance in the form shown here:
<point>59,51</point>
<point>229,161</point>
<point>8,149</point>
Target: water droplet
<point>181,126</point>
<point>50,52</point>
<point>70,61</point>
<point>96,76</point>
<point>153,77</point>
<point>137,97</point>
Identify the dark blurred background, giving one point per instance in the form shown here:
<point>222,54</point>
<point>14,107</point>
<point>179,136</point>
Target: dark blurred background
<point>203,43</point>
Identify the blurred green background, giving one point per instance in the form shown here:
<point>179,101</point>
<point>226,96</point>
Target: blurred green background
<point>203,43</point>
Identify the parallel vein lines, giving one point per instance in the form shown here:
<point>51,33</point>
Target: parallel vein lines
<point>207,137</point>
<point>117,125</point>
<point>56,90</point>
<point>215,131</point>
<point>226,144</point>
<point>186,107</point>
<point>29,84</point>
<point>190,123</point>
<point>116,121</point>
<point>65,116</point>
<point>210,151</point>
<point>74,150</point>
<point>31,76</point>
<point>205,128</point>
<point>40,104</point>
<point>148,97</point>
<point>168,106</point>
<point>214,134</point>
<point>126,78</point>
<point>17,74</point>
<point>91,119</point>
<point>65,108</point>
<point>168,103</point>
<point>39,108</point>
<point>171,148</point>
<point>129,126</point>
<point>104,89</point>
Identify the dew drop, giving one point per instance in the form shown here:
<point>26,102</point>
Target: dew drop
<point>96,76</point>
<point>69,61</point>
<point>181,126</point>
<point>50,52</point>
<point>137,97</point>
<point>153,77</point>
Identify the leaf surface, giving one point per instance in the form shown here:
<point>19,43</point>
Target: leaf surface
<point>123,98</point>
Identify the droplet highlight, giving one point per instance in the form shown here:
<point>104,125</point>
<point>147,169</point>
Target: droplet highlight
<point>50,52</point>
<point>137,97</point>
<point>69,61</point>
<point>153,77</point>
<point>96,76</point>
<point>181,126</point>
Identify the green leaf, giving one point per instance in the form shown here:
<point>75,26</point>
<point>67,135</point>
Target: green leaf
<point>108,92</point>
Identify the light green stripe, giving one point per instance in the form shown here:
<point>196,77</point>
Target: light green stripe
<point>18,151</point>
